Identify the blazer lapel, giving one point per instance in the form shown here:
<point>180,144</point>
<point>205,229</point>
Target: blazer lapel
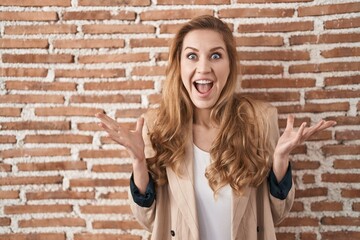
<point>239,204</point>
<point>182,188</point>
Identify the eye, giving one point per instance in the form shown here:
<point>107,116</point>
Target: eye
<point>216,56</point>
<point>191,56</point>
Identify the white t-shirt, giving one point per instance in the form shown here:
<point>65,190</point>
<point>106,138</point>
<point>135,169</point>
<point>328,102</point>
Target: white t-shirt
<point>214,214</point>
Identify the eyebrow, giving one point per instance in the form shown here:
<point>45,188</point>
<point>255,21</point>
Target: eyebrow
<point>211,50</point>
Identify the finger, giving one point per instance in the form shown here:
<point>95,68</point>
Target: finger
<point>300,132</point>
<point>113,134</point>
<point>111,123</point>
<point>289,123</point>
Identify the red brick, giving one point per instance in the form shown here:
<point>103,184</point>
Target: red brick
<point>34,152</point>
<point>38,58</point>
<point>346,164</point>
<point>340,235</point>
<point>313,107</point>
<point>260,69</point>
<point>5,167</point>
<point>275,41</point>
<point>308,178</point>
<point>274,55</point>
<point>89,73</point>
<point>301,165</point>
<point>23,72</point>
<point>85,182</point>
<point>9,194</point>
<point>103,153</point>
<point>123,225</point>
<point>118,98</point>
<point>275,96</point>
<point>341,52</point>
<point>114,3</point>
<point>192,2</point>
<point>277,27</point>
<point>350,193</point>
<point>256,12</point>
<point>325,38</point>
<point>112,168</point>
<point>345,221</point>
<point>298,221</point>
<point>88,15</point>
<point>119,85</point>
<point>110,58</point>
<point>346,80</point>
<point>149,42</point>
<point>308,236</point>
<point>311,192</point>
<point>54,125</point>
<point>331,150</point>
<point>323,135</point>
<point>30,180</point>
<point>28,16</point>
<point>124,15</point>
<point>331,94</point>
<point>114,195</point>
<point>26,209</point>
<point>59,195</point>
<point>7,138</point>
<point>105,236</point>
<point>148,71</point>
<point>347,135</point>
<point>285,236</point>
<point>40,86</point>
<point>130,113</point>
<point>52,222</point>
<point>277,83</point>
<point>272,1</point>
<point>297,207</point>
<point>4,221</point>
<point>37,236</point>
<point>67,111</point>
<point>89,43</point>
<point>345,120</point>
<point>117,28</point>
<point>328,9</point>
<point>111,209</point>
<point>326,206</point>
<point>356,207</point>
<point>10,112</point>
<point>41,29</point>
<point>58,138</point>
<point>30,98</point>
<point>154,15</point>
<point>297,122</point>
<point>170,28</point>
<point>325,67</point>
<point>23,43</point>
<point>342,23</point>
<point>36,3</point>
<point>52,166</point>
<point>336,178</point>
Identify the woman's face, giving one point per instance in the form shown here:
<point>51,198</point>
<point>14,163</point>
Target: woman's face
<point>204,67</point>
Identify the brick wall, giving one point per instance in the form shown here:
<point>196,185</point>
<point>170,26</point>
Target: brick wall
<point>61,61</point>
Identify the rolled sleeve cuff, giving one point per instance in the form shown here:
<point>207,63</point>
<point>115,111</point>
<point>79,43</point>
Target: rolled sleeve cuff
<point>143,200</point>
<point>280,189</point>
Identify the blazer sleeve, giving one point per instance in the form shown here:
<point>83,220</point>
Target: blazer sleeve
<point>279,207</point>
<point>144,213</point>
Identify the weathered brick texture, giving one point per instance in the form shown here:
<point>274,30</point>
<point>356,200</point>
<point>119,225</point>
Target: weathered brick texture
<point>61,61</point>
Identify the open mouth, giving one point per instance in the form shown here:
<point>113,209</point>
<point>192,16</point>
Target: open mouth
<point>203,86</point>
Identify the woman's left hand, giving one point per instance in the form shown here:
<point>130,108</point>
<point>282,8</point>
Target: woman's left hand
<point>290,139</point>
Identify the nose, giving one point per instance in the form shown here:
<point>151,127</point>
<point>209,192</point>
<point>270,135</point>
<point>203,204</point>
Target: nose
<point>203,66</point>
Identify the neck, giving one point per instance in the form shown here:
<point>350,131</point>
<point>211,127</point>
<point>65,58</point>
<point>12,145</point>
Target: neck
<point>202,117</point>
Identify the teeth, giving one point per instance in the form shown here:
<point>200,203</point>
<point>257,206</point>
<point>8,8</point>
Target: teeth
<point>203,81</point>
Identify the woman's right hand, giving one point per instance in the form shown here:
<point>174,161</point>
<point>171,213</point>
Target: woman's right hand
<point>133,142</point>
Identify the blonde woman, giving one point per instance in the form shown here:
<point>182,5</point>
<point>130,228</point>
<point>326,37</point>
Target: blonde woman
<point>208,163</point>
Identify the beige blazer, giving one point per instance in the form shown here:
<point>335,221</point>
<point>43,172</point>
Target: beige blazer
<point>173,214</point>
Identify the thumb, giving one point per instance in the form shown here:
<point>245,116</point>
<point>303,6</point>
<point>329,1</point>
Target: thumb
<point>139,124</point>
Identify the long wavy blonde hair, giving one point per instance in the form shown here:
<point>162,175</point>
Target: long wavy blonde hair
<point>240,153</point>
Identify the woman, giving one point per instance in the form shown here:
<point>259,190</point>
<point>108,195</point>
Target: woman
<point>209,164</point>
